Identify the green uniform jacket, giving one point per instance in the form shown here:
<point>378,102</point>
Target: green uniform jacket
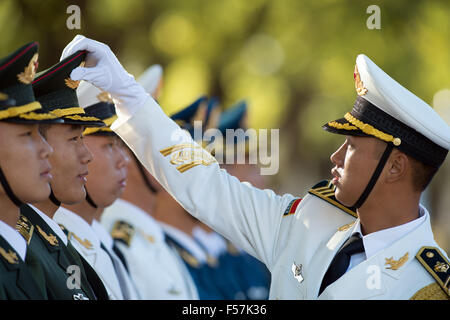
<point>16,280</point>
<point>54,259</point>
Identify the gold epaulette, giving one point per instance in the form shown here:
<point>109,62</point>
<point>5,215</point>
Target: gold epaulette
<point>430,292</point>
<point>437,265</point>
<point>325,190</point>
<point>123,231</point>
<point>25,228</point>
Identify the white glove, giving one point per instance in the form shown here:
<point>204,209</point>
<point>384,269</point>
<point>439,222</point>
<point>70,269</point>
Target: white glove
<point>103,70</point>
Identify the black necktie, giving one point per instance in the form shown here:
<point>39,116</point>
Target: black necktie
<point>341,260</point>
<point>120,255</point>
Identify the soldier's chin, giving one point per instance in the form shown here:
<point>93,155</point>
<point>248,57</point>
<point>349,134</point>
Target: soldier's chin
<point>343,197</point>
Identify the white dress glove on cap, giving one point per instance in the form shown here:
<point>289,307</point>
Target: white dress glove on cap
<point>103,70</point>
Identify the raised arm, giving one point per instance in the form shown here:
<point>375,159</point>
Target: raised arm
<point>248,216</point>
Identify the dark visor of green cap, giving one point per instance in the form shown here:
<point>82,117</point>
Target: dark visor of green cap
<point>105,111</point>
<point>56,91</point>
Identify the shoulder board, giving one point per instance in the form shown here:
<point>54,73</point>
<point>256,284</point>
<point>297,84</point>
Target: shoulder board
<point>25,228</point>
<point>437,265</point>
<point>123,232</point>
<point>325,190</point>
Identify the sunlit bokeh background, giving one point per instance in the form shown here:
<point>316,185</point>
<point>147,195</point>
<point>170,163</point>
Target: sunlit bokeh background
<point>292,60</point>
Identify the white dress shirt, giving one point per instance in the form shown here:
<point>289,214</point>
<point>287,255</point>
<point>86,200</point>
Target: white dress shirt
<point>100,261</point>
<point>376,241</point>
<point>126,283</point>
<point>14,239</point>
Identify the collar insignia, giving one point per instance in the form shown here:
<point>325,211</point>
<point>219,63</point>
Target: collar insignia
<point>50,238</point>
<point>85,243</point>
<point>9,256</point>
<point>396,264</point>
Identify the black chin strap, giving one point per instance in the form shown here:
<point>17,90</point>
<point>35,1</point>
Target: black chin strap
<point>142,170</point>
<point>53,198</point>
<point>89,200</point>
<point>8,190</point>
<point>375,175</point>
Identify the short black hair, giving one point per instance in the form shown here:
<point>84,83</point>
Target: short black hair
<point>421,174</point>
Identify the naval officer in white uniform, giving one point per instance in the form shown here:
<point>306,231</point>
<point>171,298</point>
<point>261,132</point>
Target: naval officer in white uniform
<point>315,247</point>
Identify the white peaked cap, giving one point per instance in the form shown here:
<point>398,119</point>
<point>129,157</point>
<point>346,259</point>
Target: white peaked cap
<point>88,95</point>
<point>151,78</point>
<point>397,101</point>
<point>386,110</point>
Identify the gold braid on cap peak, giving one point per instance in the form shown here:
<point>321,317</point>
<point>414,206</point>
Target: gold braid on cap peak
<point>67,111</point>
<point>108,123</point>
<point>37,116</point>
<point>370,130</point>
<point>110,120</point>
<point>82,118</point>
<point>344,126</point>
<point>92,130</point>
<point>16,111</point>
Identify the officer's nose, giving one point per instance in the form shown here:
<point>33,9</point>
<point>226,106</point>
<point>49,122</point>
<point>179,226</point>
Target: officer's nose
<point>123,159</point>
<point>86,155</point>
<point>45,149</point>
<point>338,156</point>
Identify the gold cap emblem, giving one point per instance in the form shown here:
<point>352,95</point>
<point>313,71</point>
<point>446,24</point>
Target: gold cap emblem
<point>359,86</point>
<point>28,74</point>
<point>72,84</point>
<point>105,97</point>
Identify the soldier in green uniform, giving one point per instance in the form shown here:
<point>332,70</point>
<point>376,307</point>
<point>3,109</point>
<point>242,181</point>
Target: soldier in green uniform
<point>24,170</point>
<point>68,275</point>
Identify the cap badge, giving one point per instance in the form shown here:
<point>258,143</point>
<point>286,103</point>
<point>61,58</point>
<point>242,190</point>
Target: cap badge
<point>28,74</point>
<point>72,84</point>
<point>105,97</point>
<point>360,89</point>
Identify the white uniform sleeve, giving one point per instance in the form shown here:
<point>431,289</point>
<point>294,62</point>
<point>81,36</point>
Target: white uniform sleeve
<point>248,216</point>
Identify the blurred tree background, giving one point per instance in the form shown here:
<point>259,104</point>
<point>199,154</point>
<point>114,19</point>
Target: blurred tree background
<point>292,60</point>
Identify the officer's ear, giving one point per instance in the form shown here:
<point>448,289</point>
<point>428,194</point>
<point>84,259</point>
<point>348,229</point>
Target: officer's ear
<point>397,166</point>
